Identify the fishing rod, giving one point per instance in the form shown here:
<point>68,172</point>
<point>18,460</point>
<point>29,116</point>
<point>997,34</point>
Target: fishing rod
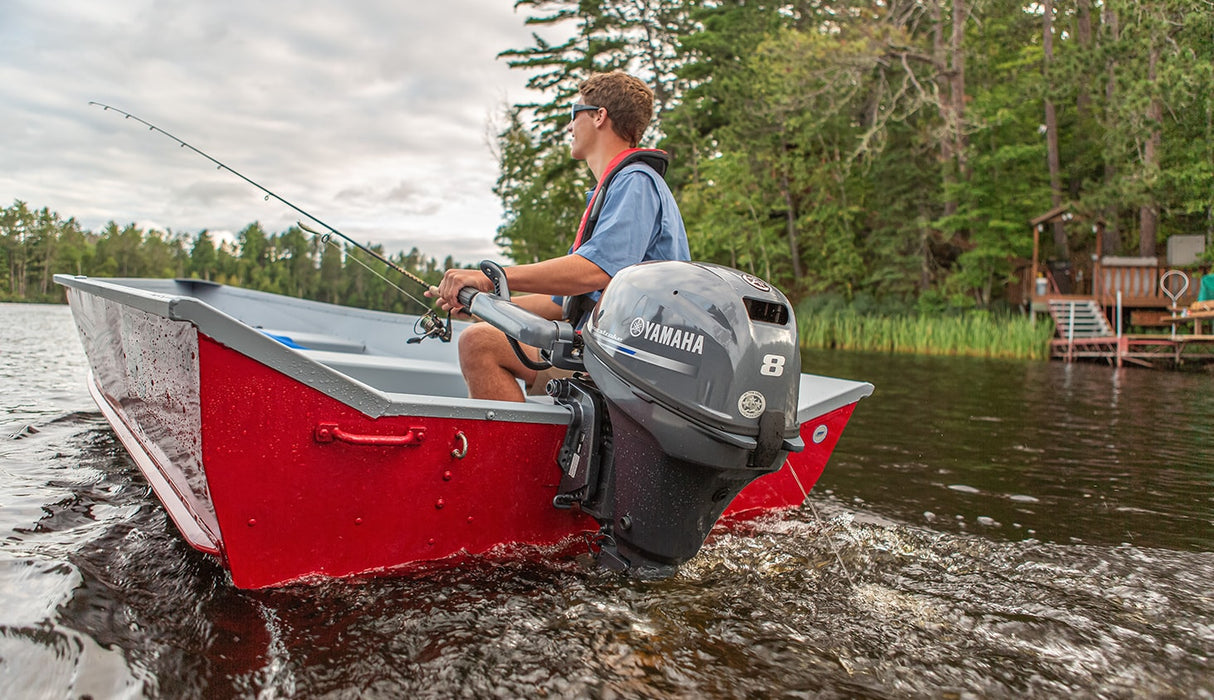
<point>429,326</point>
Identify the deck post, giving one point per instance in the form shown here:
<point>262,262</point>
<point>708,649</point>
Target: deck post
<point>1123,344</point>
<point>1118,313</point>
<point>1070,334</point>
<point>1033,273</point>
<point>1097,273</point>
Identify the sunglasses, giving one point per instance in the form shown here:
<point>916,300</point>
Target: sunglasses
<point>581,108</point>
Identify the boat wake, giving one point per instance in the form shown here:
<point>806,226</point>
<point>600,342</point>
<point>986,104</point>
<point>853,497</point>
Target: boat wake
<point>825,599</point>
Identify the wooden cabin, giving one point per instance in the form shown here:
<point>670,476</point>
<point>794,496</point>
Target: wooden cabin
<point>1084,296</point>
<point>1140,280</point>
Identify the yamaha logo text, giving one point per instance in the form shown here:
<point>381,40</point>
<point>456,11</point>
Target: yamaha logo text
<point>686,341</point>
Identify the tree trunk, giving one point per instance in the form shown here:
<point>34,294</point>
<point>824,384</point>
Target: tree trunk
<point>48,263</point>
<point>1083,101</point>
<point>1148,215</point>
<point>1061,245</point>
<point>19,276</point>
<point>1112,228</point>
<point>925,249</point>
<point>790,226</point>
<point>947,87</point>
<point>957,87</point>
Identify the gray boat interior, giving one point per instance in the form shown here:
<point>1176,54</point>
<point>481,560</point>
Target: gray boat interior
<point>358,356</point>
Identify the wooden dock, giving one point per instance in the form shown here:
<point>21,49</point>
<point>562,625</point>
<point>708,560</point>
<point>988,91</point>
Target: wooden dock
<point>1084,333</point>
<point>1143,350</point>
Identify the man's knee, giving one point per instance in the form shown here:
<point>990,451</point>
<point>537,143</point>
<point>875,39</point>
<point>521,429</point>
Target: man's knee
<point>481,342</point>
<point>489,364</point>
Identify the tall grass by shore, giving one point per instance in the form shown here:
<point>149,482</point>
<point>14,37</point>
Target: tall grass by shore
<point>972,334</point>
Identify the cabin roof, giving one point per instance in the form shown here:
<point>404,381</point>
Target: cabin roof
<point>1061,212</point>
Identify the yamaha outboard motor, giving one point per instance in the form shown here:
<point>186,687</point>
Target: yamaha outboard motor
<point>694,371</point>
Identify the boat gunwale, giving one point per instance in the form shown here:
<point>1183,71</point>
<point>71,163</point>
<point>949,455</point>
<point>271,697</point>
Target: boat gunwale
<point>255,344</point>
<point>817,394</point>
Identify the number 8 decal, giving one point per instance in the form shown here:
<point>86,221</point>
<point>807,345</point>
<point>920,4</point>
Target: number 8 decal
<point>773,365</point>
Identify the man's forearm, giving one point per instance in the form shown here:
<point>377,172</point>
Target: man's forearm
<point>565,276</point>
<point>541,305</point>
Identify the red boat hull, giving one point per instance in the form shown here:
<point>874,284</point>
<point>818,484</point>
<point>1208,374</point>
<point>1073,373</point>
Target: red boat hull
<point>290,506</point>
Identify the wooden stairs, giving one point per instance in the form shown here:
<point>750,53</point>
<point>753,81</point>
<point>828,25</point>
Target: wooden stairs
<point>1079,317</point>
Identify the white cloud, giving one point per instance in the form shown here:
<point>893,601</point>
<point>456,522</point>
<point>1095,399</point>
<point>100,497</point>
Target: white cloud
<point>371,115</point>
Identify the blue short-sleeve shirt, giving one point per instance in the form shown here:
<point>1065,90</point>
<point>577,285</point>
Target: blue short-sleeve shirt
<point>639,221</point>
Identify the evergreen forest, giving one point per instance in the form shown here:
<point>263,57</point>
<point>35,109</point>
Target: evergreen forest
<point>882,156</point>
<point>38,244</point>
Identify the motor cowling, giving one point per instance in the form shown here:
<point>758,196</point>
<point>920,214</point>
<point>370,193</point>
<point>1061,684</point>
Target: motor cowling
<point>698,369</point>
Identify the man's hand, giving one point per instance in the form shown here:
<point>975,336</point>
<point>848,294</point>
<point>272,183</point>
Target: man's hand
<point>447,292</point>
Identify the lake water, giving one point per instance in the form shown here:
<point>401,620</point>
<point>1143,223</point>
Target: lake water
<point>985,529</point>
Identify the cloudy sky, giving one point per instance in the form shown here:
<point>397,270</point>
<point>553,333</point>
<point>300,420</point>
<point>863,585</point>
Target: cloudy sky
<point>376,116</point>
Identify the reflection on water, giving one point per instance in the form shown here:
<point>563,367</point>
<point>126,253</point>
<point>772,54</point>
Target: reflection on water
<point>1019,450</point>
<point>985,530</point>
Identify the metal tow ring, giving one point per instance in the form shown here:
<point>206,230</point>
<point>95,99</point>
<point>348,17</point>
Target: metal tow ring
<point>461,451</point>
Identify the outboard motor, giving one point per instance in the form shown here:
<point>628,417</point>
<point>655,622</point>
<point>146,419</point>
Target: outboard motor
<point>692,394</point>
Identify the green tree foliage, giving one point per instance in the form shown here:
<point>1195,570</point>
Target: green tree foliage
<point>540,192</point>
<point>35,245</point>
<point>542,189</point>
<point>203,257</point>
<point>894,149</point>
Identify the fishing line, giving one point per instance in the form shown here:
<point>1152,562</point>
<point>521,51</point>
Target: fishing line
<point>328,240</point>
<point>422,328</point>
<point>818,518</point>
<point>433,325</point>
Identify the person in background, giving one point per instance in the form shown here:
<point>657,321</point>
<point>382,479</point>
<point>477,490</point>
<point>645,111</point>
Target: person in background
<point>630,217</point>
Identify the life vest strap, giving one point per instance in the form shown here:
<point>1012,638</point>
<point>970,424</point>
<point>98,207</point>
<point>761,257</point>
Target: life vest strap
<point>654,158</point>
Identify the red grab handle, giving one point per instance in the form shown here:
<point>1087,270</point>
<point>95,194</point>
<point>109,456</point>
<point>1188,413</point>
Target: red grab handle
<point>328,432</point>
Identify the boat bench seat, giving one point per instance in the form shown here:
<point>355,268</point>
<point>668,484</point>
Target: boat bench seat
<point>396,375</point>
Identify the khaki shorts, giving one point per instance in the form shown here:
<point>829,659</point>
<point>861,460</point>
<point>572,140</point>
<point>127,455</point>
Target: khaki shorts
<point>537,387</point>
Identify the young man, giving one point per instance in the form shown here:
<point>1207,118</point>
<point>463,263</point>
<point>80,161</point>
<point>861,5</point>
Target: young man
<point>638,221</point>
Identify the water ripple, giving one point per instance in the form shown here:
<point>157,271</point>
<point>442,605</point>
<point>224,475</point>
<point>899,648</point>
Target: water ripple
<point>1067,552</point>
